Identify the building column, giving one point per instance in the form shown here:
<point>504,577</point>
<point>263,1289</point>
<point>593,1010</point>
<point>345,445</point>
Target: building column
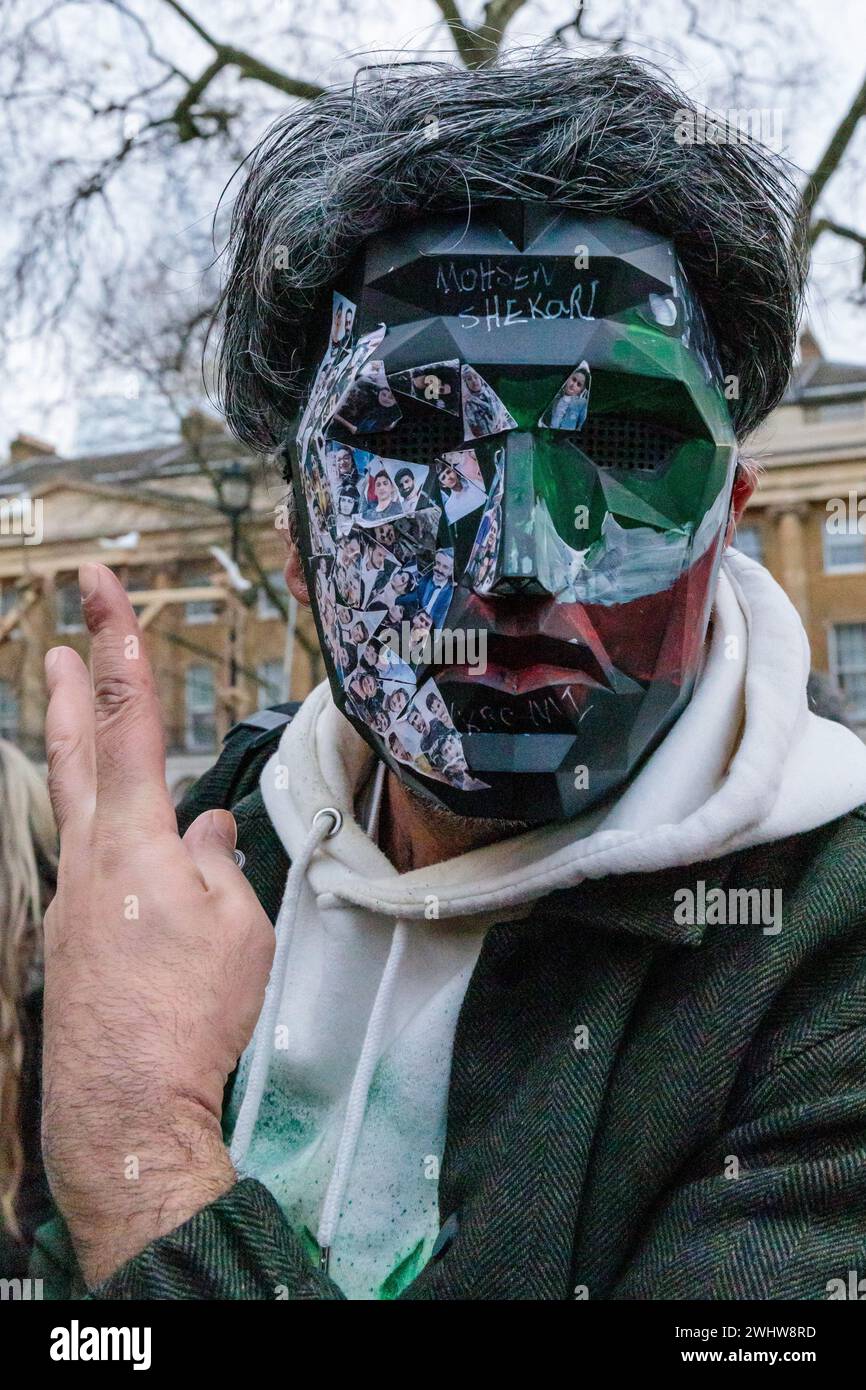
<point>791,550</point>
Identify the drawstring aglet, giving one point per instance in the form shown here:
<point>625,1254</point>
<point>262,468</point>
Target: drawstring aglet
<point>325,1259</point>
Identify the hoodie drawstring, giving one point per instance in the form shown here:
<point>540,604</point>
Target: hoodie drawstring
<point>357,1104</point>
<point>325,823</point>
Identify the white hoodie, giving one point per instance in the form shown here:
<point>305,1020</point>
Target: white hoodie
<point>340,1102</point>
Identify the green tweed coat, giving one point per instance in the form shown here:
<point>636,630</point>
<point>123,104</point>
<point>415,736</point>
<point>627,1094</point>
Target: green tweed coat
<point>638,1108</point>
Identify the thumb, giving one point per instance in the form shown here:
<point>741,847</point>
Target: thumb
<point>212,834</point>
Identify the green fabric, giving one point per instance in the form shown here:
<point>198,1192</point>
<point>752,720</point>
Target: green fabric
<point>612,1070</point>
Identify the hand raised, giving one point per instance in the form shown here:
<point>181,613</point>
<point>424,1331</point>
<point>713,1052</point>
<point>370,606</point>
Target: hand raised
<point>157,954</point>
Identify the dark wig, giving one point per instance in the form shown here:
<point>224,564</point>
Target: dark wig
<point>595,134</point>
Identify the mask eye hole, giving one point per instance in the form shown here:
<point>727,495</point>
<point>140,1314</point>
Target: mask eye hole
<point>418,441</point>
<point>628,444</point>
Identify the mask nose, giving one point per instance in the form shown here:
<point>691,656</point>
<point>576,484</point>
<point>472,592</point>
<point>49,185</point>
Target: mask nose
<point>515,570</point>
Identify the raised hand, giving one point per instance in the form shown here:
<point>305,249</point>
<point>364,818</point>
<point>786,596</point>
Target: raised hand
<point>157,954</point>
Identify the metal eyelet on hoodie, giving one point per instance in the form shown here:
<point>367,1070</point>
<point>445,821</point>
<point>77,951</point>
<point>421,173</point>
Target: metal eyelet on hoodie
<point>336,815</point>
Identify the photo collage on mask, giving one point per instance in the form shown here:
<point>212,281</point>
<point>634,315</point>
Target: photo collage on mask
<point>381,552</point>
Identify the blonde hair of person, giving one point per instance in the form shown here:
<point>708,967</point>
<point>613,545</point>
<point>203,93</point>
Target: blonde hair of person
<point>26,827</point>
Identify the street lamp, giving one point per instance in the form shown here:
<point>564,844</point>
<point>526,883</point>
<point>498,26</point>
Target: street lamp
<point>234,486</point>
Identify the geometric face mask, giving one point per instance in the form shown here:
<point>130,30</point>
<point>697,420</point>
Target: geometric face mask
<point>514,475</point>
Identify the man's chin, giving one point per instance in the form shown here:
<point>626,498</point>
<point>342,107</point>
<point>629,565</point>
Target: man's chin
<point>472,830</point>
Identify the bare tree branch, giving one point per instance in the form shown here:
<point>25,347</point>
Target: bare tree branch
<point>833,154</point>
<point>826,224</point>
<point>226,55</point>
<point>477,46</point>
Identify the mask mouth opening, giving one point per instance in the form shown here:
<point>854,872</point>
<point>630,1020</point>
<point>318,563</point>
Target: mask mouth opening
<point>524,663</point>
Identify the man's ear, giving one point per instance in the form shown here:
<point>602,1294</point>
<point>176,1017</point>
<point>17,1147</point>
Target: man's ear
<point>293,568</point>
<point>745,483</point>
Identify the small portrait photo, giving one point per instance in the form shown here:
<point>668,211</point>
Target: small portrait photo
<point>345,465</point>
<point>431,704</point>
<point>319,498</point>
<point>342,319</point>
<point>401,596</point>
<point>347,509</point>
<point>416,536</point>
<point>406,739</point>
<point>437,586</point>
<point>323,582</point>
<point>360,626</point>
<point>436,385</point>
<point>348,551</point>
<point>483,412</point>
<point>420,529</point>
<point>365,347</point>
<point>375,657</point>
<point>391,489</point>
<point>368,697</point>
<point>345,657</point>
<point>569,407</point>
<point>466,463</point>
<point>459,496</point>
<point>397,701</point>
<point>375,570</point>
<point>409,480</point>
<point>481,565</point>
<point>369,406</point>
<point>334,376</point>
<point>449,761</point>
<point>420,638</point>
<point>327,602</point>
<point>396,746</point>
<point>349,585</point>
<point>381,500</point>
<point>384,533</point>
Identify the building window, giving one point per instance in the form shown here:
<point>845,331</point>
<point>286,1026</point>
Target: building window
<point>848,665</point>
<point>68,599</point>
<point>264,607</point>
<point>830,411</point>
<point>748,539</point>
<point>10,597</point>
<point>202,610</point>
<point>8,710</point>
<point>269,675</point>
<point>843,550</point>
<point>137,580</point>
<point>200,708</point>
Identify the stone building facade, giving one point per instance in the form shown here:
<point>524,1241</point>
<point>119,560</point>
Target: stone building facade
<point>807,519</point>
<point>153,516</point>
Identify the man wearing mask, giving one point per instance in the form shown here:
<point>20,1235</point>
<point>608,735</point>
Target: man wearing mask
<point>568,1003</point>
